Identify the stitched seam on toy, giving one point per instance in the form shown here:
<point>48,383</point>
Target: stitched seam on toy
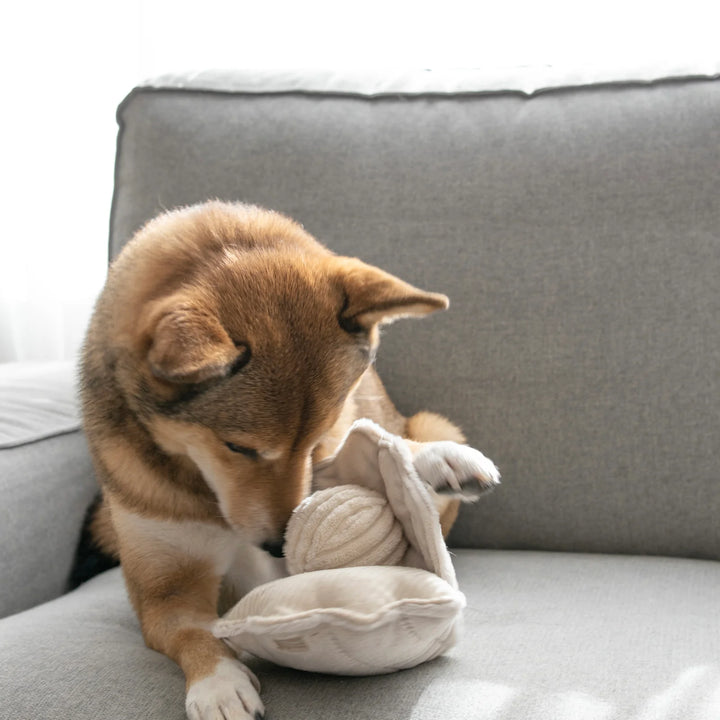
<point>407,625</point>
<point>341,650</point>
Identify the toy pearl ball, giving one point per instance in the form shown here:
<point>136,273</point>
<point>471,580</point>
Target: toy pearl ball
<point>343,526</point>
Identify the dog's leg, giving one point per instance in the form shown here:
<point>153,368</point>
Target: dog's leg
<point>175,596</point>
<point>176,612</point>
<point>453,470</point>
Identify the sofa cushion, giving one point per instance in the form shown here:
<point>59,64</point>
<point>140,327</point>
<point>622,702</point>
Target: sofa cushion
<point>575,231</point>
<point>556,636</point>
<point>37,401</point>
<point>46,481</point>
<point>82,656</point>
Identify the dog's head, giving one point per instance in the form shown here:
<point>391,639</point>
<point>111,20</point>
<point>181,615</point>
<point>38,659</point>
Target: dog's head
<point>252,357</point>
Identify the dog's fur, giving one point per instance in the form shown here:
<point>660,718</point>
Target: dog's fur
<point>228,352</point>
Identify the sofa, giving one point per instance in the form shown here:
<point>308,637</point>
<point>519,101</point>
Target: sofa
<point>575,225</point>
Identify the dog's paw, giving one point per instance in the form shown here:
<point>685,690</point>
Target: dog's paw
<point>230,693</point>
<point>455,470</point>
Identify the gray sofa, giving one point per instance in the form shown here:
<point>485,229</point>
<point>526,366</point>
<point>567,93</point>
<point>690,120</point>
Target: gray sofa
<point>576,230</point>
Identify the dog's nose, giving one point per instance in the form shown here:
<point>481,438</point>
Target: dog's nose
<point>274,547</point>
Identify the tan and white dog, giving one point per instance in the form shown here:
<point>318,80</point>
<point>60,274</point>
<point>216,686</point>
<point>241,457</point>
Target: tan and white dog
<point>228,352</point>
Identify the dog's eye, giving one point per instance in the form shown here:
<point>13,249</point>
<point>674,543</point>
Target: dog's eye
<point>242,450</point>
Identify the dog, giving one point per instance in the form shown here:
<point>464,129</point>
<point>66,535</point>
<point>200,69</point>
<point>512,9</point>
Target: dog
<point>228,352</point>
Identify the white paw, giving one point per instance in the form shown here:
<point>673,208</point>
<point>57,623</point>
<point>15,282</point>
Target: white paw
<point>455,470</point>
<point>230,693</point>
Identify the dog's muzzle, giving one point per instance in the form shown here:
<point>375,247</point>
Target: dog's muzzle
<point>274,547</point>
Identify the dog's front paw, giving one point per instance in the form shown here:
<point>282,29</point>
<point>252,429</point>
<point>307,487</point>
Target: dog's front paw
<point>230,693</point>
<point>455,470</point>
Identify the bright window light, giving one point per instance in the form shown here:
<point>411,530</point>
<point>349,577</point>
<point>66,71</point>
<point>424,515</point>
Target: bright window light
<point>68,64</point>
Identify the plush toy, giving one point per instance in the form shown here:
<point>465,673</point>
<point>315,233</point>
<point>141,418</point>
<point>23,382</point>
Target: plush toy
<point>343,526</point>
<point>372,588</point>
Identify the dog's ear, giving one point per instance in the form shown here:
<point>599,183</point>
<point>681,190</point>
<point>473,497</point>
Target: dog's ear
<point>374,296</point>
<point>187,343</point>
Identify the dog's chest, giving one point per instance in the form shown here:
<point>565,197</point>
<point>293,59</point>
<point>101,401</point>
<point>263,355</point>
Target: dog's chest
<point>249,568</point>
<point>241,565</point>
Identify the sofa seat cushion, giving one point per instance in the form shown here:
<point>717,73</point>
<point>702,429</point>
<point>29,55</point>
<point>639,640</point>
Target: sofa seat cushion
<point>82,656</point>
<point>546,635</point>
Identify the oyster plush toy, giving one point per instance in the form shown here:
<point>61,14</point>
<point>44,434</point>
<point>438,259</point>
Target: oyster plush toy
<point>343,526</point>
<point>374,589</point>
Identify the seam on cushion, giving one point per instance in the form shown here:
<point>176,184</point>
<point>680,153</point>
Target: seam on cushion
<point>38,437</point>
<point>419,94</point>
<point>111,240</point>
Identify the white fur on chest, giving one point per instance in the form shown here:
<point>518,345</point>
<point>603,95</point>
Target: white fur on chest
<point>242,564</point>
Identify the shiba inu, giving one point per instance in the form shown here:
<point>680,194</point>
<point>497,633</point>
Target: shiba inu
<point>228,352</point>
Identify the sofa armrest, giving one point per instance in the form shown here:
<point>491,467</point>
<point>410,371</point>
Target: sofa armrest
<point>46,482</point>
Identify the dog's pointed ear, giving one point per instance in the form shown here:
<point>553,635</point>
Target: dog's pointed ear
<point>373,296</point>
<point>187,343</point>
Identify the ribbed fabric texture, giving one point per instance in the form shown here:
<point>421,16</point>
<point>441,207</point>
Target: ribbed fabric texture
<point>342,527</point>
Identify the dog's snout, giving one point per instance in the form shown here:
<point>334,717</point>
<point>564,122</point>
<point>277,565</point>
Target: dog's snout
<point>274,547</point>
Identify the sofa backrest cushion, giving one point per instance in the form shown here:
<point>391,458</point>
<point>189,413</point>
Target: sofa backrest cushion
<point>576,231</point>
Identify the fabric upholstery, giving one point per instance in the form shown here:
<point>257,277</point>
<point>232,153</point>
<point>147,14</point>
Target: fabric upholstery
<point>82,656</point>
<point>46,482</point>
<point>37,400</point>
<point>576,233</point>
<point>524,80</point>
<point>546,637</point>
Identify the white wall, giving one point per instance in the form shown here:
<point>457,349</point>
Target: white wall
<point>66,65</point>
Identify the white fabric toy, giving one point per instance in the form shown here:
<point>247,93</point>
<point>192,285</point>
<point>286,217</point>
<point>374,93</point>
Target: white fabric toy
<point>376,590</point>
<point>343,526</point>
